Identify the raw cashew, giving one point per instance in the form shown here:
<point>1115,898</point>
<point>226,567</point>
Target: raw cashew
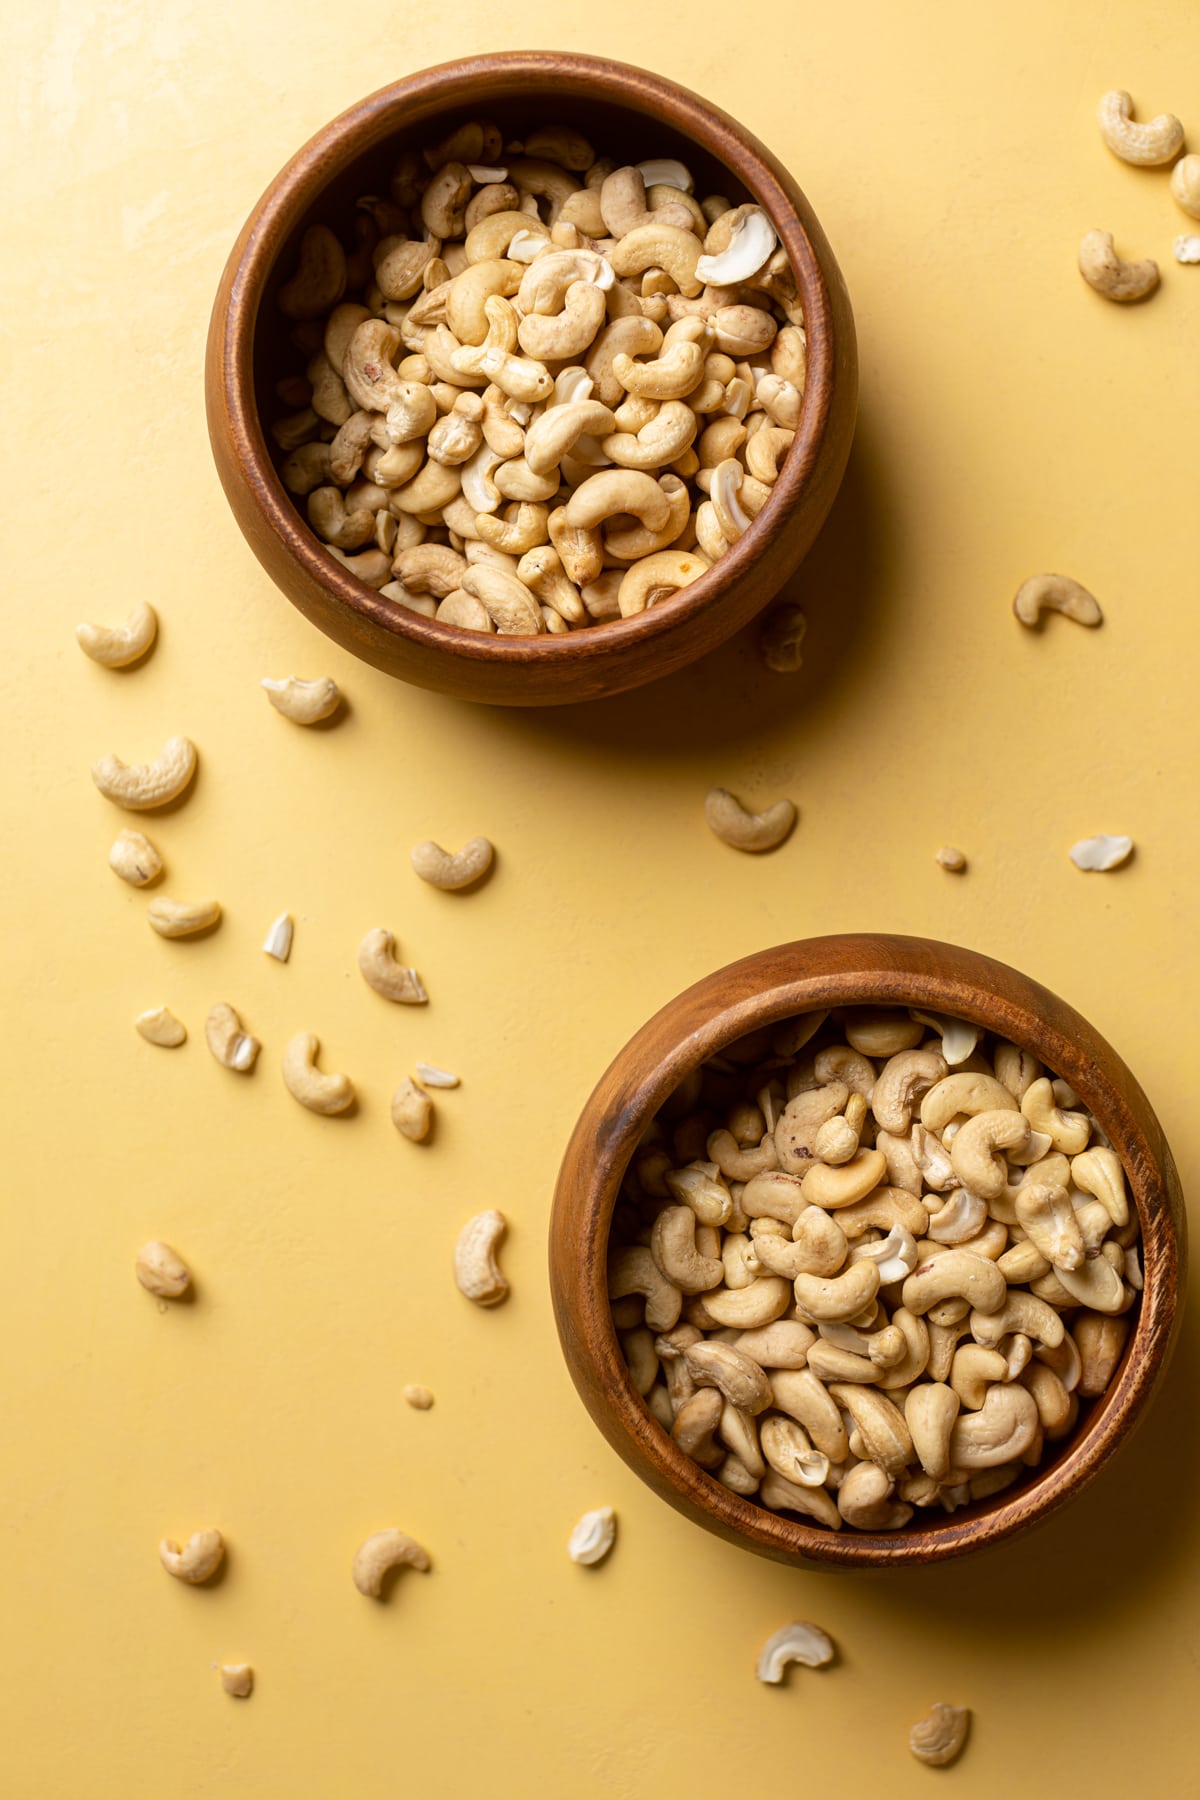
<point>865,1499</point>
<point>1100,1341</point>
<point>231,1044</point>
<point>729,820</point>
<point>320,279</point>
<point>513,610</point>
<point>1001,1431</point>
<point>1099,1172</point>
<point>1068,1131</point>
<point>654,578</point>
<point>673,1247</point>
<point>879,1423</point>
<point>1055,593</point>
<point>412,1111</point>
<point>1100,854</point>
<point>904,1076</point>
<point>834,1186</point>
<point>160,1026</point>
<point>477,1274</point>
<point>966,1092</point>
<point>656,246</point>
<point>1150,145</point>
<point>441,869</point>
<point>746,1309</point>
<point>633,1270</point>
<point>593,1537</point>
<point>837,1297</point>
<point>116,646</point>
<point>1105,271</point>
<point>955,1274</point>
<point>938,1738</point>
<point>139,787</point>
<point>178,918</point>
<point>197,1561</point>
<point>161,1271</point>
<point>977,1150</point>
<point>381,1552</point>
<point>930,1410</point>
<point>613,491</point>
<point>135,859</point>
<point>750,244</point>
<point>1019,1312</point>
<point>1185,184</point>
<point>380,970</point>
<point>320,1093</point>
<point>739,1378</point>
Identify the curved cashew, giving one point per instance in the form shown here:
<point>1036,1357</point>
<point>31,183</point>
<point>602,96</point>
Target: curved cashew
<point>367,368</point>
<point>965,1092</point>
<point>787,1448</point>
<point>139,787</point>
<point>543,180</point>
<point>326,1094</point>
<point>962,1216</point>
<point>1105,271</point>
<point>666,171</point>
<point>661,440</point>
<point>230,1043</point>
<point>653,578</point>
<point>836,1297</point>
<point>886,1208</point>
<point>838,1062</point>
<point>977,1151</point>
<point>804,1397</point>
<point>677,368</point>
<point>566,333</point>
<point>430,569</point>
<point>1100,1340</point>
<point>1185,184</point>
<point>444,202</point>
<point>179,918</point>
<point>818,1246</point>
<point>135,859</point>
<point>380,970</point>
<point>797,1126</point>
<point>320,279</point>
<point>304,702</point>
<point>335,524</point>
<point>162,1271</point>
<point>631,336</point>
<point>511,607</point>
<point>865,1499</point>
<point>952,1275</point>
<point>1051,1398</point>
<point>738,1377</point>
<point>783,1495</point>
<point>593,1537</point>
<point>476,1272</point>
<point>1045,1213</point>
<point>930,1410</point>
<point>1055,593</point>
<point>1100,854</point>
<point>750,244</point>
<point>973,1369</point>
<point>698,1186</point>
<point>400,265</point>
<point>938,1738</point>
<point>1150,145</point>
<point>1068,1131</point>
<point>697,1419</point>
<point>1099,1172</point>
<point>633,1270</point>
<point>522,528</point>
<point>879,1423</point>
<point>468,293</point>
<point>116,646</point>
<point>382,1551</point>
<point>673,1247</point>
<point>833,1362</point>
<point>552,435</point>
<point>199,1558</point>
<point>542,572</point>
<point>452,872</point>
<point>895,1256</point>
<point>160,1026</point>
<point>1020,1312</point>
<point>612,491</point>
<point>738,1431</point>
<point>745,1309</point>
<point>782,1345</point>
<point>729,820</point>
<point>411,413</point>
<point>917,1354</point>
<point>657,246</point>
<point>743,330</point>
<point>1003,1429</point>
<point>832,1187</point>
<point>1097,1283</point>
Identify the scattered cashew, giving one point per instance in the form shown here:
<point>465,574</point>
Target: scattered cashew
<point>476,1271</point>
<point>160,1026</point>
<point>1185,184</point>
<point>412,1111</point>
<point>116,646</point>
<point>135,859</point>
<point>304,702</point>
<point>380,970</point>
<point>304,1081</point>
<point>951,858</point>
<point>178,918</point>
<point>451,872</point>
<point>796,1643</point>
<point>382,1552</point>
<point>729,820</point>
<point>1055,593</point>
<point>1157,141</point>
<point>232,1045</point>
<point>1105,271</point>
<point>139,787</point>
<point>593,1537</point>
<point>940,1735</point>
<point>162,1271</point>
<point>278,941</point>
<point>197,1561</point>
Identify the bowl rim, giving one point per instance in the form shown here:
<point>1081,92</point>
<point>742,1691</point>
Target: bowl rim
<point>866,969</point>
<point>402,105</point>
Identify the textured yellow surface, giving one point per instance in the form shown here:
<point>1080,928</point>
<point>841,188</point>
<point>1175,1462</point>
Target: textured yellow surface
<point>1011,421</point>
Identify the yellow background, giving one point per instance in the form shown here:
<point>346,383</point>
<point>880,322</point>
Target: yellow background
<point>1011,421</point>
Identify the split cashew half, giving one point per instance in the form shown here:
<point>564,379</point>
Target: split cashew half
<point>742,830</point>
<point>199,1558</point>
<point>139,787</point>
<point>1105,271</point>
<point>160,1026</point>
<point>1150,145</point>
<point>161,1271</point>
<point>798,1643</point>
<point>116,646</point>
<point>304,702</point>
<point>178,918</point>
<point>320,1093</point>
<point>1099,854</point>
<point>442,870</point>
<point>938,1738</point>
<point>593,1537</point>
<point>135,859</point>
<point>477,1274</point>
<point>382,1551</point>
<point>380,970</point>
<point>237,1679</point>
<point>1055,593</point>
<point>232,1045</point>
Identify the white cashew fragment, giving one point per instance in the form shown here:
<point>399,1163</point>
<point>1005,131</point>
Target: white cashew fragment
<point>327,1094</point>
<point>199,1558</point>
<point>278,941</point>
<point>179,918</point>
<point>477,1274</point>
<point>304,702</point>
<point>665,171</point>
<point>451,872</point>
<point>1099,854</point>
<point>162,1271</point>
<point>1055,593</point>
<point>116,646</point>
<point>139,787</point>
<point>940,1735</point>
<point>135,859</point>
<point>382,1551</point>
<point>1149,145</point>
<point>232,1045</point>
<point>237,1680</point>
<point>750,245</point>
<point>592,1538</point>
<point>958,1037</point>
<point>1187,248</point>
<point>1109,274</point>
<point>433,1077</point>
<point>380,970</point>
<point>160,1026</point>
<point>729,820</point>
<point>796,1643</point>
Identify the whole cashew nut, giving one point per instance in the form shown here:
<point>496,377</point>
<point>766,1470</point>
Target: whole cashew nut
<point>833,1186</point>
<point>653,578</point>
<point>1068,1131</point>
<point>673,1247</point>
<point>952,1275</point>
<point>1150,145</point>
<point>180,918</point>
<point>327,1094</point>
<point>232,1045</point>
<point>160,1026</point>
<point>1099,1172</point>
<point>197,1561</point>
<point>965,1092</point>
<point>452,872</point>
<point>765,1299</point>
<point>304,702</point>
<point>977,1150</point>
<point>381,1552</point>
<point>1105,271</point>
<point>1020,1312</point>
<point>1056,593</point>
<point>320,279</point>
<point>380,970</point>
<point>633,1270</point>
<point>134,858</point>
<point>116,646</point>
<point>837,1297</point>
<point>929,1412</point>
<point>1001,1431</point>
<point>139,787</point>
<point>1185,184</point>
<point>477,1274</point>
<point>729,820</point>
<point>865,1499</point>
<point>738,1377</point>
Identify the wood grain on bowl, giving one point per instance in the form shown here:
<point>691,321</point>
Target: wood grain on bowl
<point>817,974</point>
<point>627,108</point>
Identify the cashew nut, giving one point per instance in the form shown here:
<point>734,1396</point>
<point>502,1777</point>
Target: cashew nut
<point>1185,184</point>
<point>729,820</point>
<point>865,1499</point>
<point>381,1552</point>
<point>796,1643</point>
<point>450,872</point>
<point>837,1297</point>
<point>116,646</point>
<point>230,1043</point>
<point>653,578</point>
<point>139,787</point>
<point>320,1093</point>
<point>1105,271</point>
<point>178,918</point>
<point>904,1076</point>
<point>477,1274</point>
<point>738,1377</point>
<point>412,1111</point>
<point>940,1735</point>
<point>199,1559</point>
<point>593,1537</point>
<point>1055,593</point>
<point>1001,1431</point>
<point>162,1271</point>
<point>930,1410</point>
<point>320,279</point>
<point>511,607</point>
<point>160,1026</point>
<point>135,859</point>
<point>380,970</point>
<point>967,1092</point>
<point>673,1247</point>
<point>1101,853</point>
<point>1150,145</point>
<point>1068,1131</point>
<point>750,244</point>
<point>953,1275</point>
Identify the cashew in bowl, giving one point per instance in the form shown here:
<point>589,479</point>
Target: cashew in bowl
<point>781,637</point>
<point>450,872</point>
<point>181,918</point>
<point>197,1561</point>
<point>1105,271</point>
<point>161,1271</point>
<point>593,1537</point>
<point>477,1274</point>
<point>304,702</point>
<point>412,1111</point>
<point>729,820</point>
<point>1185,184</point>
<point>381,1552</point>
<point>940,1735</point>
<point>328,1094</point>
<point>139,787</point>
<point>116,646</point>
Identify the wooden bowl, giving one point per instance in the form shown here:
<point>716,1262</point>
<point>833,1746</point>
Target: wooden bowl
<point>628,111</point>
<point>819,973</point>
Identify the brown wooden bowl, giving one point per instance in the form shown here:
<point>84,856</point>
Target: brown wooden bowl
<point>628,111</point>
<point>819,973</point>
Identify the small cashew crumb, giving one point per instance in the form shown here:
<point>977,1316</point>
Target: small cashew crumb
<point>134,858</point>
<point>938,1738</point>
<point>419,1397</point>
<point>1150,145</point>
<point>116,646</point>
<point>1055,593</point>
<point>1187,248</point>
<point>431,1076</point>
<point>412,1111</point>
<point>742,830</point>
<point>231,1044</point>
<point>160,1026</point>
<point>1102,853</point>
<point>382,1551</point>
<point>237,1679</point>
<point>178,918</point>
<point>797,1643</point>
<point>781,637</point>
<point>197,1561</point>
<point>139,787</point>
<point>278,941</point>
<point>161,1271</point>
<point>592,1538</point>
<point>326,1094</point>
<point>380,970</point>
<point>951,858</point>
<point>304,702</point>
<point>1105,271</point>
<point>441,870</point>
<point>476,1272</point>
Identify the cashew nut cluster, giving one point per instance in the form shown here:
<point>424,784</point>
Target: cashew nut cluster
<point>872,1261</point>
<point>539,391</point>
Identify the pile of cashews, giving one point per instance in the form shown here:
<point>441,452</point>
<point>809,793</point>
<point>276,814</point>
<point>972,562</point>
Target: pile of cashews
<point>540,392</point>
<point>871,1261</point>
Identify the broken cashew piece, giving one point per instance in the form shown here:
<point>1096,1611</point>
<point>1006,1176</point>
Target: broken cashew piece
<point>429,1075</point>
<point>135,859</point>
<point>1187,248</point>
<point>940,1735</point>
<point>237,1680</point>
<point>160,1026</point>
<point>451,872</point>
<point>382,1551</point>
<point>1148,145</point>
<point>232,1045</point>
<point>1055,593</point>
<point>199,1558</point>
<point>304,702</point>
<point>477,1274</point>
<point>178,919</point>
<point>278,941</point>
<point>320,1093</point>
<point>1185,184</point>
<point>751,243</point>
<point>593,1536</point>
<point>797,1643</point>
<point>116,646</point>
<point>412,1111</point>
<point>380,970</point>
<point>161,1271</point>
<point>139,787</point>
<point>1105,271</point>
<point>1099,854</point>
<point>742,830</point>
<point>951,858</point>
<point>418,1397</point>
